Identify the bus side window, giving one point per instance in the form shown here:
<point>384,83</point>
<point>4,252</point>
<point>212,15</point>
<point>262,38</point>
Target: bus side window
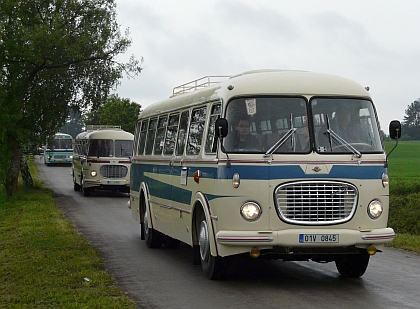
<point>137,132</point>
<point>142,138</point>
<point>215,113</point>
<point>151,136</point>
<point>182,134</point>
<point>195,137</point>
<point>171,134</point>
<point>160,134</point>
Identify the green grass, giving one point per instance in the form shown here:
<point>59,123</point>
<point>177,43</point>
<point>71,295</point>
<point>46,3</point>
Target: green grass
<point>44,262</point>
<point>404,173</point>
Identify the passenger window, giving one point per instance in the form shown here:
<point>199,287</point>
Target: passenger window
<point>150,136</point>
<point>142,139</point>
<point>160,135</point>
<point>195,137</point>
<point>171,133</point>
<point>182,135</point>
<point>210,141</point>
<point>136,136</point>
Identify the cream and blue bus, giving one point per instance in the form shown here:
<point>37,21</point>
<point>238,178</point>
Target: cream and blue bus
<point>59,149</point>
<point>272,164</point>
<point>102,159</point>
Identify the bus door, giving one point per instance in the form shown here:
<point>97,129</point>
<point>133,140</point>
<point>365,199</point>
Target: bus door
<point>174,148</point>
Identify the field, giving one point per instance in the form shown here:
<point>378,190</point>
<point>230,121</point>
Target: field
<point>404,174</point>
<point>404,162</point>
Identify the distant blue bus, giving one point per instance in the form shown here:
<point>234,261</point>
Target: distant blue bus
<point>59,149</point>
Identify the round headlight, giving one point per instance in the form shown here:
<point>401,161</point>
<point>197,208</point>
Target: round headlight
<point>93,173</point>
<point>375,209</point>
<point>251,211</point>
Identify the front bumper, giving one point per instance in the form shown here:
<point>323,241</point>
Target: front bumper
<point>290,238</point>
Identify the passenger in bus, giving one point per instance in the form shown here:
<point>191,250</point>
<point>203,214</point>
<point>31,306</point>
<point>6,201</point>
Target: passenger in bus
<point>243,139</point>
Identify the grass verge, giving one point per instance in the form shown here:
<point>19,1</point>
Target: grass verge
<point>44,262</point>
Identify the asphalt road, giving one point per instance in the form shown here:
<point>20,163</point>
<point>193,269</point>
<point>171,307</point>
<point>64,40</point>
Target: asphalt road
<point>166,278</point>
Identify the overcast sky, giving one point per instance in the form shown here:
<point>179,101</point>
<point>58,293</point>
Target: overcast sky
<point>374,42</point>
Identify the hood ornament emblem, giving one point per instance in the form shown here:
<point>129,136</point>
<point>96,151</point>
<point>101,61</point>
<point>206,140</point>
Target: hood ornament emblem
<point>316,169</point>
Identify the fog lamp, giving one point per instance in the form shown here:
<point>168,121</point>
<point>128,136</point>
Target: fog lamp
<point>255,253</point>
<point>375,209</point>
<point>250,211</point>
<point>371,250</point>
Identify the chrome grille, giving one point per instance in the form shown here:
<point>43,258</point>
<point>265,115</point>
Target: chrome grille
<point>316,202</point>
<point>113,171</point>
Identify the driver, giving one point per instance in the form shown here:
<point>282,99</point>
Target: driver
<point>345,124</point>
<point>348,127</point>
<point>243,137</point>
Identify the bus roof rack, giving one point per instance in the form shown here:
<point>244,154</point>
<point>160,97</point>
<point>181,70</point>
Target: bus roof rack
<point>93,127</point>
<point>200,83</point>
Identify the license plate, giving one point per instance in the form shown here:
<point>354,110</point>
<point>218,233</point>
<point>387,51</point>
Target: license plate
<point>318,238</point>
<point>114,182</point>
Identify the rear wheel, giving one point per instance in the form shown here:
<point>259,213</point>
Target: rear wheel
<point>353,265</point>
<point>154,239</point>
<point>214,267</point>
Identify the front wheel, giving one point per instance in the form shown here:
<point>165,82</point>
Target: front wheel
<point>353,265</point>
<point>154,239</point>
<point>214,267</point>
<point>85,191</point>
<point>76,186</point>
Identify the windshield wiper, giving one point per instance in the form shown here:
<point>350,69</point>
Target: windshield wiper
<point>280,142</point>
<point>344,143</point>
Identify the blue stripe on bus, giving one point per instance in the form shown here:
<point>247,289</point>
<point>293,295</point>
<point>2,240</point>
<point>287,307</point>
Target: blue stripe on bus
<point>179,194</point>
<point>294,171</point>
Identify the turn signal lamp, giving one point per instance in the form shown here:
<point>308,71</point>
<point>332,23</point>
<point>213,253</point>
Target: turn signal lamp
<point>197,175</point>
<point>236,180</point>
<point>385,180</point>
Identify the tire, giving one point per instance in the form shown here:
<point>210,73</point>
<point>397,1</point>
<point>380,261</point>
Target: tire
<point>76,186</point>
<point>353,265</point>
<point>154,239</point>
<point>85,191</point>
<point>214,267</point>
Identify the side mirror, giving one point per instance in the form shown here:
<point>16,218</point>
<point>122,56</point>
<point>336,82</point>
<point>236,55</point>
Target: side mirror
<point>395,129</point>
<point>221,128</point>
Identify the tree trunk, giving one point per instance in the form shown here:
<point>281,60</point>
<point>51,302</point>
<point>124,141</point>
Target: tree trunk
<point>13,172</point>
<point>25,172</point>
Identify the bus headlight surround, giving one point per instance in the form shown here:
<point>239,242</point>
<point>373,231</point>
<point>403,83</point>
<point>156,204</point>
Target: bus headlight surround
<point>375,209</point>
<point>251,211</point>
<point>93,173</point>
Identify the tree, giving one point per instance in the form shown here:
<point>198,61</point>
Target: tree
<point>116,111</point>
<point>54,54</point>
<point>73,125</point>
<point>411,121</point>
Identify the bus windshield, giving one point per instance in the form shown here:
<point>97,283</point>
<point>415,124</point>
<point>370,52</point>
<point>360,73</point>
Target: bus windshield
<point>123,148</point>
<point>60,143</point>
<point>110,148</point>
<point>101,148</point>
<point>345,126</point>
<point>267,125</point>
<point>271,125</point>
